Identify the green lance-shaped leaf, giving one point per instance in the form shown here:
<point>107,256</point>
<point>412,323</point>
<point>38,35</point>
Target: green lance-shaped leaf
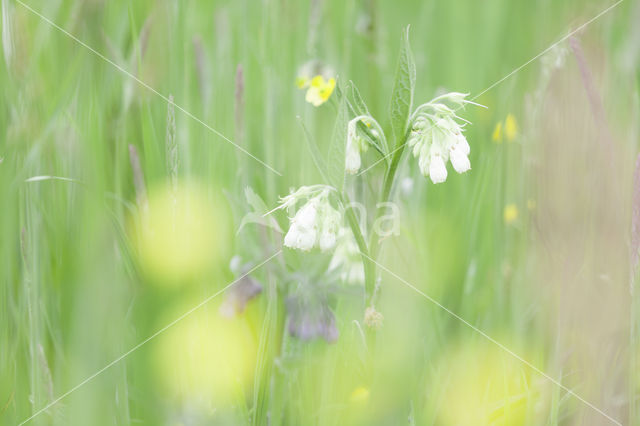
<point>258,214</point>
<point>336,156</point>
<point>316,156</point>
<point>403,88</point>
<point>359,107</point>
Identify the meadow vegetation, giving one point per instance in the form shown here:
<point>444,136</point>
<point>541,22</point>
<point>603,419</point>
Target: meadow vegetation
<point>326,212</point>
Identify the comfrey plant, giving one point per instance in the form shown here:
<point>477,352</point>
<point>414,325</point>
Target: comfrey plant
<point>435,137</point>
<point>322,216</point>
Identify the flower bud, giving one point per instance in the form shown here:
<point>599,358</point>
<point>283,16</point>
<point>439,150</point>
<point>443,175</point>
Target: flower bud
<point>420,123</point>
<point>355,145</point>
<point>352,161</point>
<point>372,318</point>
<point>456,98</point>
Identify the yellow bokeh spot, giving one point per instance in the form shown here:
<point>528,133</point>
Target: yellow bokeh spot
<point>182,234</point>
<point>497,133</point>
<point>510,128</point>
<point>481,385</point>
<point>510,213</point>
<point>360,395</point>
<point>320,90</point>
<point>205,356</point>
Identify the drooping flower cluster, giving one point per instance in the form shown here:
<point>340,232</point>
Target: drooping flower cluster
<point>437,137</point>
<point>316,223</point>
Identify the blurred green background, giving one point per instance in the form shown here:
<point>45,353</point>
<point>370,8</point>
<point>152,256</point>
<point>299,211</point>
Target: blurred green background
<point>531,246</point>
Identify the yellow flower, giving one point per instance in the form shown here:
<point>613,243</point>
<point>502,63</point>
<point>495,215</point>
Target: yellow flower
<point>320,90</point>
<point>510,214</point>
<point>302,82</point>
<point>507,130</point>
<point>510,128</point>
<point>497,133</point>
<point>360,394</point>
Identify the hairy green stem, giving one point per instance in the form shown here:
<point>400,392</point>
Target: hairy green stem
<point>386,195</point>
<point>387,185</point>
<point>391,174</point>
<point>369,267</point>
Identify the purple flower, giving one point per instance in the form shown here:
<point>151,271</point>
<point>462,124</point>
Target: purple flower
<point>239,295</point>
<point>309,319</point>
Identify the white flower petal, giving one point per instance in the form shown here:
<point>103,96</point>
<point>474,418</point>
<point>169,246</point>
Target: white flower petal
<point>306,239</point>
<point>291,239</point>
<point>327,241</point>
<point>306,216</point>
<point>437,169</point>
<point>423,164</point>
<point>417,147</point>
<point>352,160</point>
<point>459,161</point>
<point>300,238</point>
<point>463,144</point>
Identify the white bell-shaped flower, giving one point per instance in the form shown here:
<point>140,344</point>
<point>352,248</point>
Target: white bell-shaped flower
<point>302,233</point>
<point>463,144</point>
<point>352,157</point>
<point>352,151</point>
<point>327,240</point>
<point>357,144</point>
<point>437,168</point>
<point>306,216</point>
<point>347,259</point>
<point>329,226</point>
<point>459,155</point>
<point>424,158</point>
<point>300,237</point>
